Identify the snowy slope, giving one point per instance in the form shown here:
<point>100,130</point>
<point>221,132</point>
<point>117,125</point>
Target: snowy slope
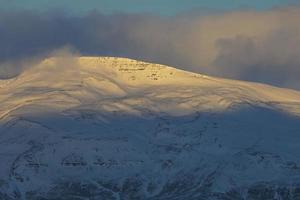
<point>115,128</point>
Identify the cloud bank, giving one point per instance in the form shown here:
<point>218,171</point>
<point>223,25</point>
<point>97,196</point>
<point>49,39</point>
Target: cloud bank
<point>250,45</point>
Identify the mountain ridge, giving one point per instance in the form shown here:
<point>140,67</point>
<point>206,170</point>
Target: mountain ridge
<point>112,128</point>
<point>121,77</point>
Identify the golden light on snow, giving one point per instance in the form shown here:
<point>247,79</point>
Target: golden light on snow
<point>137,85</point>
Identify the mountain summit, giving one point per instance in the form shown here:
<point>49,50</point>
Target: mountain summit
<point>116,128</point>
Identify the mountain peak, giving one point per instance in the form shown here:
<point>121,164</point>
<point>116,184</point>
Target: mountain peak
<point>115,128</point>
<point>121,84</point>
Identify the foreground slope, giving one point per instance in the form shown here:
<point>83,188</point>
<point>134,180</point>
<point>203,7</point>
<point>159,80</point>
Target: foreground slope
<point>115,128</point>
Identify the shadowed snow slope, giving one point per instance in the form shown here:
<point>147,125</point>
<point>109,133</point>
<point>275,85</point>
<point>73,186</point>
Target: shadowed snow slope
<point>115,128</point>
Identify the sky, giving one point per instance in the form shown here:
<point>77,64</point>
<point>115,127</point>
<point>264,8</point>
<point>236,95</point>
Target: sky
<point>163,7</point>
<point>247,40</point>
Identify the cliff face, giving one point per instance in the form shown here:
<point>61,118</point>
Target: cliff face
<point>115,128</point>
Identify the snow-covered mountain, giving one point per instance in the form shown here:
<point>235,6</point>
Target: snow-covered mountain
<point>114,128</point>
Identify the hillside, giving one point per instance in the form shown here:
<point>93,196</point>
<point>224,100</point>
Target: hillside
<point>115,128</point>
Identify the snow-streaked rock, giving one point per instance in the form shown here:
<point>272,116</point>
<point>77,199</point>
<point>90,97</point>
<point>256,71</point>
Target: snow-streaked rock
<point>115,128</point>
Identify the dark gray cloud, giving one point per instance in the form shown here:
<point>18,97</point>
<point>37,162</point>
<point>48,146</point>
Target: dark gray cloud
<point>258,46</point>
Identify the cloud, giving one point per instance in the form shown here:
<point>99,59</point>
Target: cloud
<point>250,45</point>
<point>66,56</point>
